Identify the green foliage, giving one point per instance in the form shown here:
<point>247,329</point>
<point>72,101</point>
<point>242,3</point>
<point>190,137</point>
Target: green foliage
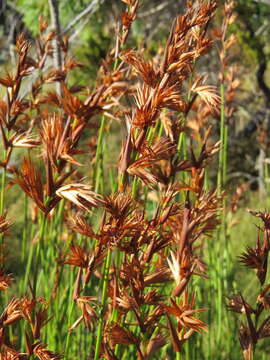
<point>252,27</point>
<point>32,9</point>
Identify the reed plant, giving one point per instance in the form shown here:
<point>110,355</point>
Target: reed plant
<point>254,328</point>
<point>114,253</point>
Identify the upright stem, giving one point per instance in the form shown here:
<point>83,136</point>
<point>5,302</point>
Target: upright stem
<point>25,228</point>
<point>225,158</point>
<point>220,177</point>
<point>40,247</point>
<point>2,197</point>
<point>3,182</point>
<point>99,165</point>
<point>221,181</point>
<point>106,268</point>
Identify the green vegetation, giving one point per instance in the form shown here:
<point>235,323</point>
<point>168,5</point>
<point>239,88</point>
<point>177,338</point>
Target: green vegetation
<point>126,177</point>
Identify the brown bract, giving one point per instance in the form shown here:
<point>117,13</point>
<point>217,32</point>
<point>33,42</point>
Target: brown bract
<point>41,351</point>
<point>5,280</point>
<point>132,243</point>
<point>184,313</point>
<point>81,195</point>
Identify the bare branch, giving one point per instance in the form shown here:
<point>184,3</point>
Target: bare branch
<point>260,78</point>
<point>88,10</point>
<point>57,55</point>
<point>152,11</point>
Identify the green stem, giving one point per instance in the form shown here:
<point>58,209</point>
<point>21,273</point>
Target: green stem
<point>25,227</point>
<point>221,167</point>
<point>98,171</point>
<point>106,268</point>
<point>3,182</point>
<point>67,347</point>
<point>225,157</point>
<point>29,261</point>
<point>40,247</point>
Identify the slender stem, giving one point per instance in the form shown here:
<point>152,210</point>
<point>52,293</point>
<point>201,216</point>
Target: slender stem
<point>225,157</point>
<point>220,176</point>
<point>29,260</point>
<point>3,182</point>
<point>25,228</point>
<point>98,171</point>
<point>67,347</point>
<point>106,268</point>
<point>2,196</point>
<point>40,246</point>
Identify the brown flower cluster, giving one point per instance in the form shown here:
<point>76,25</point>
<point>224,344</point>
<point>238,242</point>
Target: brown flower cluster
<point>257,323</point>
<point>127,258</point>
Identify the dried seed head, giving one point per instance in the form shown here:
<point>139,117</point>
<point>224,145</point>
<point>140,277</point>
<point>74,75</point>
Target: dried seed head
<point>78,224</point>
<point>207,92</point>
<point>30,181</point>
<point>119,335</point>
<point>236,304</point>
<point>25,140</point>
<point>155,343</point>
<point>81,195</point>
<point>184,314</point>
<point>4,223</point>
<point>41,351</point>
<point>12,312</point>
<point>77,256</point>
<point>5,280</point>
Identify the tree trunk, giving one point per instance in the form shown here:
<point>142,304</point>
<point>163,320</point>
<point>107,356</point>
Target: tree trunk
<point>57,54</point>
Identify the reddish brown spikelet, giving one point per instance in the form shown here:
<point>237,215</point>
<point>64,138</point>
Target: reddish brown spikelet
<point>119,335</point>
<point>155,343</point>
<point>43,24</point>
<point>4,223</point>
<point>264,329</point>
<point>256,258</point>
<point>236,304</point>
<point>41,319</point>
<point>145,69</point>
<point>184,314</point>
<point>41,351</point>
<point>163,149</point>
<point>30,181</point>
<point>88,312</point>
<point>246,342</point>
<point>5,280</point>
<point>77,257</point>
<point>207,92</point>
<point>22,45</point>
<point>24,140</point>
<point>8,81</point>
<point>56,137</point>
<point>146,114</point>
<point>77,223</point>
<point>81,195</point>
<point>55,75</point>
<point>264,297</point>
<point>119,205</point>
<point>7,353</point>
<point>12,312</point>
<point>176,341</point>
